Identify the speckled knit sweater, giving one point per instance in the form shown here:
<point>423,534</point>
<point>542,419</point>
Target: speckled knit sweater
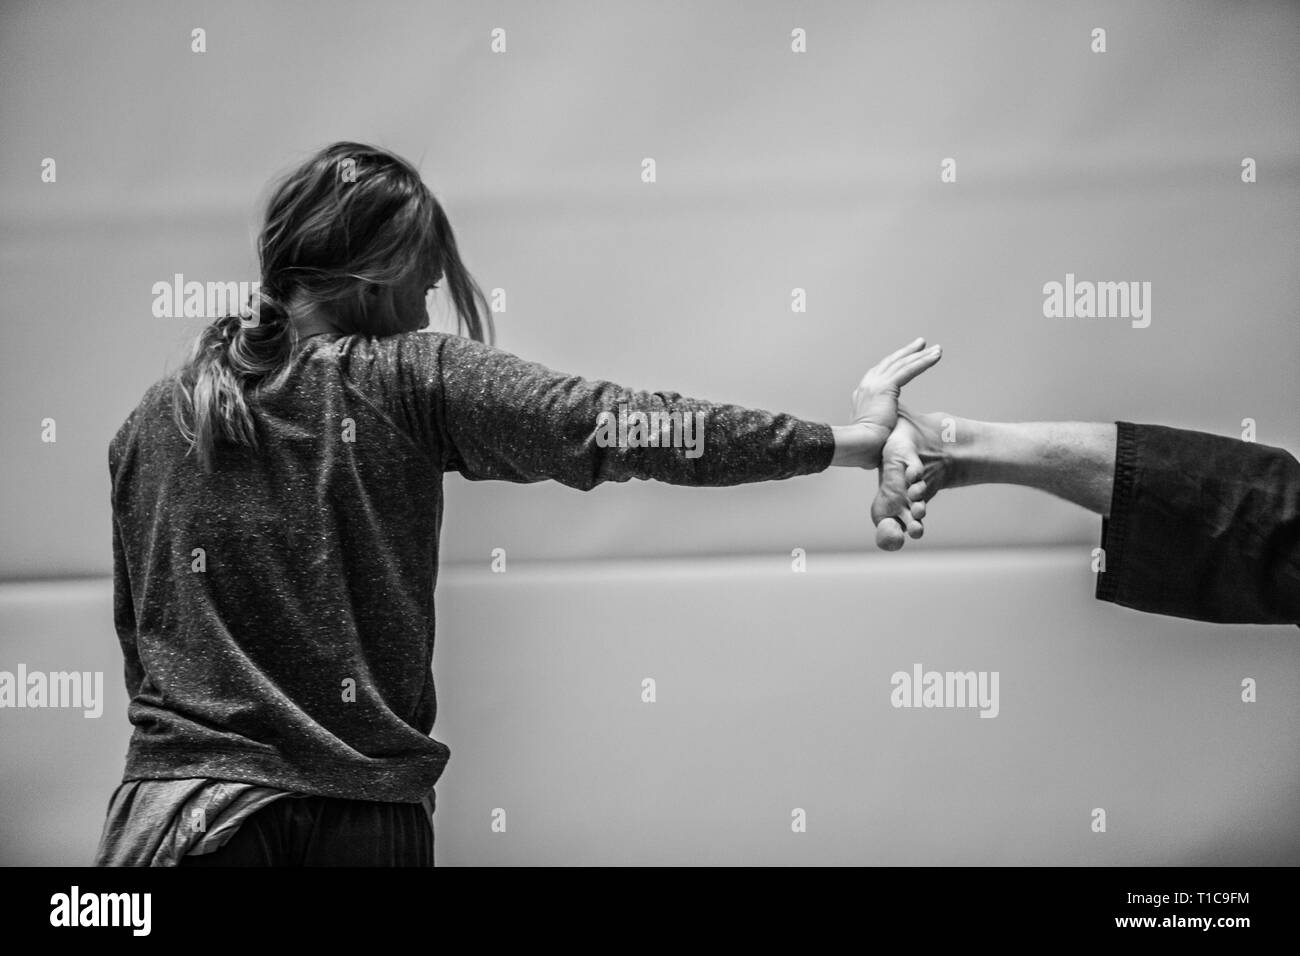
<point>277,616</point>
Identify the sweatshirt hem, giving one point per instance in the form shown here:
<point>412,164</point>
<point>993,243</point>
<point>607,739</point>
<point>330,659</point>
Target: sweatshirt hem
<point>406,780</point>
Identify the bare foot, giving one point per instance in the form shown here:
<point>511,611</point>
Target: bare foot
<point>915,463</point>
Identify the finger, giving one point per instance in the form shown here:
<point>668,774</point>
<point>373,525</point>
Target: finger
<point>889,535</point>
<point>915,365</point>
<point>911,367</point>
<point>914,346</point>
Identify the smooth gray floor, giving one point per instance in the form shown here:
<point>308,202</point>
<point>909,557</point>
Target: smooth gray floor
<point>773,694</point>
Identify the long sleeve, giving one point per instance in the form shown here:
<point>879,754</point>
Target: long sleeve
<point>124,615</point>
<point>1202,527</point>
<point>505,418</point>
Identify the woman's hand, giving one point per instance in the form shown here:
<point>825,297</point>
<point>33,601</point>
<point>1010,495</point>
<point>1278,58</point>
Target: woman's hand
<point>875,404</point>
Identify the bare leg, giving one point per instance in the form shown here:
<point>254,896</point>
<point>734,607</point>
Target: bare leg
<point>928,452</point>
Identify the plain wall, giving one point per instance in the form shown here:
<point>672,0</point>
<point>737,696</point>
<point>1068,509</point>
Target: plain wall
<point>775,171</point>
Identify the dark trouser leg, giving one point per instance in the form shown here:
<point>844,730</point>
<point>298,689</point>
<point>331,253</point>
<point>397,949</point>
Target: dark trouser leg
<point>367,833</point>
<point>325,831</point>
<point>264,839</point>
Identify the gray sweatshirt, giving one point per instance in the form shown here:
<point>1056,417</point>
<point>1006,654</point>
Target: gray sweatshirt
<point>276,617</point>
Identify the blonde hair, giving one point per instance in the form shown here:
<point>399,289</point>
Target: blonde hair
<point>349,217</point>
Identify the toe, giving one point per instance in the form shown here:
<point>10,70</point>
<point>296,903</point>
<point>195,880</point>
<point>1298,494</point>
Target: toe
<point>889,535</point>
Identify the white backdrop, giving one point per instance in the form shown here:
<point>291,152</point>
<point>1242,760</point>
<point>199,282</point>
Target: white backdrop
<point>775,171</point>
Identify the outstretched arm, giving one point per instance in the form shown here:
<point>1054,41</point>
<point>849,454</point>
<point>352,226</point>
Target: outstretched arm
<point>1194,525</point>
<point>1072,460</point>
<point>497,416</point>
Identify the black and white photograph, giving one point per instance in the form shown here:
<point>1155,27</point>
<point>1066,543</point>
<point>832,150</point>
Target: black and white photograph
<point>571,435</point>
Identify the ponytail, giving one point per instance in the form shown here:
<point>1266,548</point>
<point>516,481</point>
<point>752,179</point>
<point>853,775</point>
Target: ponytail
<point>234,354</point>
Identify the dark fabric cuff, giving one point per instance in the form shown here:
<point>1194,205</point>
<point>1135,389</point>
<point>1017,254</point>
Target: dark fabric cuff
<point>1203,527</point>
<point>1115,528</point>
<point>820,439</point>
